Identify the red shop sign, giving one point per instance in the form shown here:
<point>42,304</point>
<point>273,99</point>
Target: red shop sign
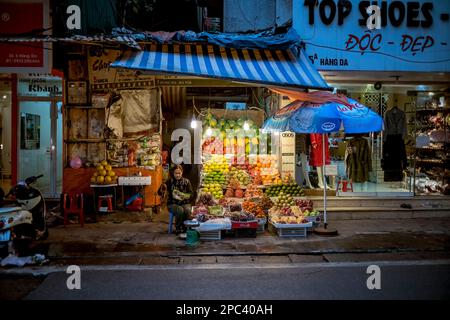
<point>19,19</point>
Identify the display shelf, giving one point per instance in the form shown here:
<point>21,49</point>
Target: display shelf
<point>427,107</point>
<point>434,110</point>
<point>84,140</point>
<point>82,107</point>
<point>431,161</point>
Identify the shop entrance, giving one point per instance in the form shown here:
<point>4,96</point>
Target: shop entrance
<point>40,143</point>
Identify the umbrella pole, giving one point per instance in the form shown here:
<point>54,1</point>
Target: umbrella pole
<point>325,231</point>
<point>324,182</point>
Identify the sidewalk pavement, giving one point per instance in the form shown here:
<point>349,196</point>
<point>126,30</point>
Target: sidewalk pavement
<point>142,236</point>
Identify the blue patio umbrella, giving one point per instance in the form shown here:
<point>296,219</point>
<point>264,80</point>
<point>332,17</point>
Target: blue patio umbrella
<point>307,117</point>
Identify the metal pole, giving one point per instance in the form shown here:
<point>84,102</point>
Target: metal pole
<point>324,183</point>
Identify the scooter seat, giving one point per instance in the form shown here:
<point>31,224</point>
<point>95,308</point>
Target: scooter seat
<point>9,209</point>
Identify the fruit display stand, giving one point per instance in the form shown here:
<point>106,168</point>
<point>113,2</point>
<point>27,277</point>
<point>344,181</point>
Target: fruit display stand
<point>261,225</point>
<point>244,228</point>
<point>292,230</point>
<point>292,217</point>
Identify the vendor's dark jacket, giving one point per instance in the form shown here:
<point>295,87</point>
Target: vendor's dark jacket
<point>183,185</point>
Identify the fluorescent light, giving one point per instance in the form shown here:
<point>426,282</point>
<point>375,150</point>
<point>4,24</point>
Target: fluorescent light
<point>193,124</point>
<point>246,126</point>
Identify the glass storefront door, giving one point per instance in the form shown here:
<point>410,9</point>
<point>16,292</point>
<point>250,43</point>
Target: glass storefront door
<point>40,144</point>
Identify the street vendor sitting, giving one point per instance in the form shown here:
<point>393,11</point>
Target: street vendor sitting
<point>180,195</point>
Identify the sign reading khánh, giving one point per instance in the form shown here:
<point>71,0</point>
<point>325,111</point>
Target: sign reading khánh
<point>102,76</point>
<point>287,154</point>
<point>412,35</point>
<point>39,85</point>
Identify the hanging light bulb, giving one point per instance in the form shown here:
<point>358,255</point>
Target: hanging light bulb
<point>193,123</point>
<point>246,126</point>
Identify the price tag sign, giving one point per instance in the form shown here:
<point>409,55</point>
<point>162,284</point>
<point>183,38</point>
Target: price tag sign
<point>331,170</point>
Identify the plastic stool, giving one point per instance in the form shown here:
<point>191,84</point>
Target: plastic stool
<point>107,199</point>
<point>73,204</point>
<point>171,220</point>
<point>347,185</point>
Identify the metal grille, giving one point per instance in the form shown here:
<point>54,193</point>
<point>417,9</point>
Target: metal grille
<point>376,101</point>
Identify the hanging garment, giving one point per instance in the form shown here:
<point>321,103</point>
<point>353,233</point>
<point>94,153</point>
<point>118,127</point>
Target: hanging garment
<point>394,158</point>
<point>316,154</point>
<point>358,159</point>
<point>395,123</point>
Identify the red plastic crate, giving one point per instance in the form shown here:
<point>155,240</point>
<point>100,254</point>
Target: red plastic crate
<point>244,224</point>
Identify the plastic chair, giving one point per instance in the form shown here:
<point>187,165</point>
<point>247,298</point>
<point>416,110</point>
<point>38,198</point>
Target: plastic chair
<point>73,204</point>
<point>171,220</point>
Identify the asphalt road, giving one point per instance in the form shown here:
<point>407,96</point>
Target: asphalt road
<point>318,281</point>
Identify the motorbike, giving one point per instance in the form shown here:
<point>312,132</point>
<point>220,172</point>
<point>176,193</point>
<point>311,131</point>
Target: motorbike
<point>25,221</point>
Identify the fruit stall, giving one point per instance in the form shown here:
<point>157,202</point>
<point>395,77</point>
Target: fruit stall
<point>241,191</point>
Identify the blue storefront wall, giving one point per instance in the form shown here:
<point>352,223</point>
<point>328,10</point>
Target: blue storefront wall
<point>414,35</point>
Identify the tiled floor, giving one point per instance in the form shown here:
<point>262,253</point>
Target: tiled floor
<point>380,189</point>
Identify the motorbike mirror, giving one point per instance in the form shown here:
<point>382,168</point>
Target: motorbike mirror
<point>32,179</point>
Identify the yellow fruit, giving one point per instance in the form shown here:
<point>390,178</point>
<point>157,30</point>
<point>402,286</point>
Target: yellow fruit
<point>100,179</point>
<point>108,179</point>
<point>104,163</point>
<point>111,173</point>
<point>108,168</point>
<point>100,167</point>
<point>95,174</point>
<point>102,173</point>
<point>93,180</point>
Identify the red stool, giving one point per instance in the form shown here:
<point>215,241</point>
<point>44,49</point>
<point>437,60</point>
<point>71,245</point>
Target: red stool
<point>105,200</point>
<point>73,204</point>
<point>347,185</point>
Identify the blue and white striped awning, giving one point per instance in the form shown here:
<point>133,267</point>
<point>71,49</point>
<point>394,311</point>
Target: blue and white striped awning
<point>273,67</point>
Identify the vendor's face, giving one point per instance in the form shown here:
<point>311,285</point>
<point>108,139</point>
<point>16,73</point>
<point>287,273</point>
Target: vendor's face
<point>178,174</point>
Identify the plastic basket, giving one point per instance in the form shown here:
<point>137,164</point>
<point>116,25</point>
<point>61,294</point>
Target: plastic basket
<point>292,230</point>
<point>211,235</point>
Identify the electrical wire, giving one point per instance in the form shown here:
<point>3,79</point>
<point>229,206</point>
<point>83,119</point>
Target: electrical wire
<point>374,52</point>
